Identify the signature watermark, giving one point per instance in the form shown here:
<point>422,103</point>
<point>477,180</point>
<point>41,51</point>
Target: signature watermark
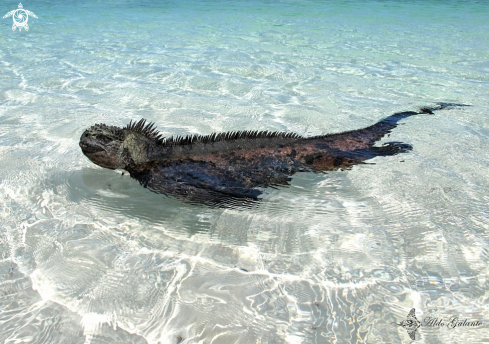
<point>20,17</point>
<point>412,324</point>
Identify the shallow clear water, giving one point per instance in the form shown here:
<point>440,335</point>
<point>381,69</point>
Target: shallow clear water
<point>89,256</point>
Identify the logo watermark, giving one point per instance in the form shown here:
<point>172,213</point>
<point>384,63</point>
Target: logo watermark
<point>411,324</point>
<point>20,17</point>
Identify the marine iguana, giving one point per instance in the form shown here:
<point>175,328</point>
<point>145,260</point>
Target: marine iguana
<point>222,168</point>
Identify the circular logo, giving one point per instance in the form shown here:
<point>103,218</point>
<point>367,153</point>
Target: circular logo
<point>20,17</point>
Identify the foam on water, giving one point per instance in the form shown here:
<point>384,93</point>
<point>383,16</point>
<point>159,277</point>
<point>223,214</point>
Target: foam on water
<point>89,256</point>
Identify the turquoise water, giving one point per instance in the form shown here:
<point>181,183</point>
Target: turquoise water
<point>89,256</point>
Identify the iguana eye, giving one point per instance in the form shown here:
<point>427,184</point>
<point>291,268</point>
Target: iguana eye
<point>103,138</point>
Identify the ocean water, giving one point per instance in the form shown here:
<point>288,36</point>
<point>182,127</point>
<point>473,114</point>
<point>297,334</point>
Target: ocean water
<point>89,256</point>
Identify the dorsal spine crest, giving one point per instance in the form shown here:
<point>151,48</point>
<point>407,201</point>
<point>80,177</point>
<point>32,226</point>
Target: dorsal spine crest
<point>151,132</point>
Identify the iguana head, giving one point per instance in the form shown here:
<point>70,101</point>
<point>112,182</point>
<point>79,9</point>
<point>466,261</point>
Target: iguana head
<point>113,147</point>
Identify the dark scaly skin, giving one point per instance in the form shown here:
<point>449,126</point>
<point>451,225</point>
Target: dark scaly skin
<point>226,169</point>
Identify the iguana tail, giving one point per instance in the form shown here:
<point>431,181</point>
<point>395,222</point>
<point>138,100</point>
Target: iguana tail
<point>366,137</point>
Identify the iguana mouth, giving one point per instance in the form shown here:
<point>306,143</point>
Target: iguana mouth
<point>88,148</point>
